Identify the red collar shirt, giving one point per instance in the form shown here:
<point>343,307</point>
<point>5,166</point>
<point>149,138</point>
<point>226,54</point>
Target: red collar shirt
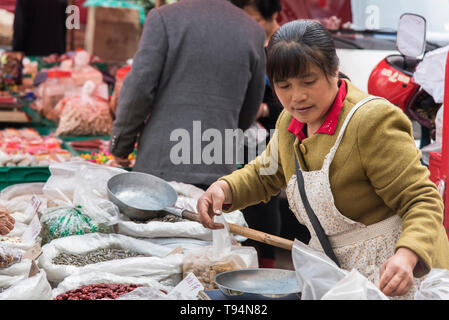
<point>330,123</point>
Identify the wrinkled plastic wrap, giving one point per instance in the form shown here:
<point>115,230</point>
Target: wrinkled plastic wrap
<point>429,73</point>
<point>354,287</point>
<point>83,185</point>
<point>24,288</point>
<point>321,279</point>
<point>435,286</point>
<point>206,262</point>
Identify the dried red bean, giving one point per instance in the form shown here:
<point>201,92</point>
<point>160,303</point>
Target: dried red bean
<point>97,291</point>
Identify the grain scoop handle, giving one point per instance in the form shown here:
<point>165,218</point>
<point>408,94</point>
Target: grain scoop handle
<point>248,233</point>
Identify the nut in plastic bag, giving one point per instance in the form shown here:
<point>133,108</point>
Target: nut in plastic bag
<point>85,115</point>
<point>66,221</point>
<point>222,256</point>
<point>9,256</point>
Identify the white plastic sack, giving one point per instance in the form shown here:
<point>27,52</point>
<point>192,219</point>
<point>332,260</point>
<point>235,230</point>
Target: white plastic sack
<point>34,288</point>
<point>15,284</point>
<point>158,266</point>
<point>14,238</point>
<point>14,274</point>
<point>184,243</point>
<point>430,73</point>
<point>17,199</point>
<point>159,229</point>
<point>187,289</point>
<point>354,287</point>
<point>435,286</point>
<point>83,279</point>
<point>21,189</point>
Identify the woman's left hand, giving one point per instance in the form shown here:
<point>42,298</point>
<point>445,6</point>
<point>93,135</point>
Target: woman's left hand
<point>396,274</point>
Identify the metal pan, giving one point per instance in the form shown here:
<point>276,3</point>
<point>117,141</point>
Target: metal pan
<point>258,284</point>
<point>143,196</point>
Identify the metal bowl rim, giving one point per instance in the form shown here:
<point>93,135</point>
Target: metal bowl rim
<point>169,187</point>
<point>253,269</point>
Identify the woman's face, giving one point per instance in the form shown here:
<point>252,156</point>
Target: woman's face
<point>267,25</point>
<point>309,98</point>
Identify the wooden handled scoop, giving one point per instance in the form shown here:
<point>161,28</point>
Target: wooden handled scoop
<point>247,232</point>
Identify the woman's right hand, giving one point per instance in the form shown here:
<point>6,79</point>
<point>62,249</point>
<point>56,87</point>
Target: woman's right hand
<point>6,223</point>
<point>211,203</point>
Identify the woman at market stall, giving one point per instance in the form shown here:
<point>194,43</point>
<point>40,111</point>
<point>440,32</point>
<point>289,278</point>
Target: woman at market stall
<point>359,166</point>
<point>264,216</point>
<point>6,221</point>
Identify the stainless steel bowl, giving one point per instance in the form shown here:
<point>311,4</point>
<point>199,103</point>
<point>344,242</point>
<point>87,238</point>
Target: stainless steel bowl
<point>139,195</point>
<point>258,284</point>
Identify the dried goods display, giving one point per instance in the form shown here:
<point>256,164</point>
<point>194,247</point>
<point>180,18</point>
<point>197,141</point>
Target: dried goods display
<point>26,147</point>
<point>85,115</point>
<point>97,291</point>
<point>100,255</point>
<point>206,271</point>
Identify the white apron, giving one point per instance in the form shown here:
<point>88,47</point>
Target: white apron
<point>356,245</point>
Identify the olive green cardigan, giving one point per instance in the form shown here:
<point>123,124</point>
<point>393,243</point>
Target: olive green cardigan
<point>376,173</point>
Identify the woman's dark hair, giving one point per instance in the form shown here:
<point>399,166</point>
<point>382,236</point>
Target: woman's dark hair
<point>298,44</point>
<point>266,8</point>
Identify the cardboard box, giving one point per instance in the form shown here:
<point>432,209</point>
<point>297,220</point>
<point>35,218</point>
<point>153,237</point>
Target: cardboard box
<point>113,34</point>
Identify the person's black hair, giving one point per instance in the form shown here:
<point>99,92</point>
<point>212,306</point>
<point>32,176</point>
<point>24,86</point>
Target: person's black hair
<point>297,45</point>
<point>266,8</point>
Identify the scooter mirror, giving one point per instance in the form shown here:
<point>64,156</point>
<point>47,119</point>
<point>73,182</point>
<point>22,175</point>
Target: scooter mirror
<point>411,35</point>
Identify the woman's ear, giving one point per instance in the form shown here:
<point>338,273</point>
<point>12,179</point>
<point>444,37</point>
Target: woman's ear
<point>275,16</point>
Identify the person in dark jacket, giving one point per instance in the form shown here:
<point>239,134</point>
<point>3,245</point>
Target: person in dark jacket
<point>39,27</point>
<point>199,71</point>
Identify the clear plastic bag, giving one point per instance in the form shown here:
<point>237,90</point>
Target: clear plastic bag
<point>9,256</point>
<point>316,273</point>
<point>206,262</point>
<point>81,183</point>
<point>354,287</point>
<point>435,286</point>
<point>61,222</point>
<point>320,278</point>
<point>82,71</point>
<point>85,115</point>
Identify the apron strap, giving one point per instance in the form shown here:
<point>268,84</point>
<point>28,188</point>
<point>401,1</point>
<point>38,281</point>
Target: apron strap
<point>313,218</point>
<point>331,154</point>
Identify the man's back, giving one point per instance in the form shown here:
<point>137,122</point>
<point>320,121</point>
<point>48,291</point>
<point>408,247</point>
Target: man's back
<point>207,65</point>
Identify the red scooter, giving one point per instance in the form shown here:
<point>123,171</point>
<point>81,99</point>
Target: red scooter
<point>393,79</point>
